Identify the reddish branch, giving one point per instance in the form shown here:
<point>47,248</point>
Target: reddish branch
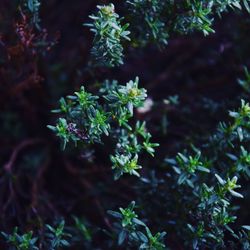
<point>89,186</point>
<point>24,144</point>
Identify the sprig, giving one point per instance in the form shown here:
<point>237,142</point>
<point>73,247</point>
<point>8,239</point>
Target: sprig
<point>133,231</point>
<point>21,242</point>
<point>109,34</point>
<point>85,121</point>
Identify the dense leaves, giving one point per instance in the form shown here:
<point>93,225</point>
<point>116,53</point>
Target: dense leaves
<point>87,121</point>
<point>109,33</point>
<point>193,194</point>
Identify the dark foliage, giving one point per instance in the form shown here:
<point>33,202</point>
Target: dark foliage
<point>110,185</point>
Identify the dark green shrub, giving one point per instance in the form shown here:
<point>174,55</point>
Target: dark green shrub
<point>194,192</point>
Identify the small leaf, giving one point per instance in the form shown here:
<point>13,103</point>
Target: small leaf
<point>182,179</point>
<point>221,181</point>
<point>203,169</point>
<point>122,236</point>
<point>246,4</point>
<point>139,222</point>
<point>236,194</point>
<point>240,133</point>
<point>246,227</point>
<point>114,214</point>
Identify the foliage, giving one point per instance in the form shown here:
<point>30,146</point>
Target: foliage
<point>209,200</point>
<point>22,242</point>
<point>245,83</point>
<point>86,120</point>
<point>55,237</point>
<point>134,231</point>
<point>109,33</point>
<point>33,6</point>
<point>153,22</point>
<point>196,188</point>
<point>150,14</point>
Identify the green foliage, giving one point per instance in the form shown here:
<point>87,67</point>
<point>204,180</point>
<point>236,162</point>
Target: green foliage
<point>209,199</point>
<point>80,224</point>
<point>194,195</point>
<point>199,15</point>
<point>134,231</point>
<point>205,179</point>
<point>109,34</point>
<point>215,212</point>
<point>186,167</point>
<point>229,135</point>
<point>245,83</point>
<point>21,242</point>
<point>57,237</point>
<point>85,120</point>
<point>152,21</point>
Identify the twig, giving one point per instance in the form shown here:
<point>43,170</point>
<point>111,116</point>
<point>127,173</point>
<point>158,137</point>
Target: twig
<point>29,142</point>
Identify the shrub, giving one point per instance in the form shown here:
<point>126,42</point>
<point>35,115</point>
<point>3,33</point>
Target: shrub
<point>192,192</point>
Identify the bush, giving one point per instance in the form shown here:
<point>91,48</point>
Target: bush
<point>155,163</point>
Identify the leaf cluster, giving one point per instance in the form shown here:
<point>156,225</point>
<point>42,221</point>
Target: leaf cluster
<point>134,231</point>
<point>109,34</point>
<point>85,120</point>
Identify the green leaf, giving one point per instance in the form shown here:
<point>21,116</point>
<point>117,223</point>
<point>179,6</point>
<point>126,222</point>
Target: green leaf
<point>246,227</point>
<point>246,4</point>
<point>122,237</point>
<point>203,169</point>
